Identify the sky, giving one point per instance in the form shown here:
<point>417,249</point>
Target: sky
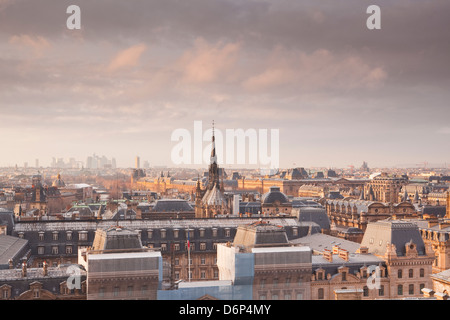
<point>136,71</point>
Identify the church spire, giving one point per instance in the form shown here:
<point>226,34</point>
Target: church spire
<point>213,158</point>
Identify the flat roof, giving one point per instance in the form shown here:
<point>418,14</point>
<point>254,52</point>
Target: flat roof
<point>125,255</point>
<point>281,249</point>
<point>196,284</point>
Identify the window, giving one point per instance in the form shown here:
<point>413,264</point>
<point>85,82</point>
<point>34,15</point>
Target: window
<point>299,295</point>
<point>320,293</point>
<point>202,246</point>
<point>288,282</point>
<point>411,273</point>
<point>411,289</point>
<point>202,233</point>
<point>144,290</point>
<point>400,290</point>
<point>295,231</point>
<point>203,274</point>
<point>83,236</point>
<point>41,250</point>
<point>149,233</point>
<point>344,276</point>
<point>262,283</point>
<point>177,275</point>
<point>227,232</point>
<point>274,296</point>
<point>101,292</point>
<point>366,291</point>
<point>163,233</point>
<point>41,236</point>
<point>381,291</point>
<point>421,286</point>
<point>54,250</point>
<point>5,294</point>
<point>177,261</point>
<point>287,296</point>
<point>163,246</point>
<point>130,291</point>
<point>214,232</point>
<point>216,273</point>
<point>176,247</point>
<point>116,292</point>
<point>202,261</point>
<point>275,283</point>
<point>262,296</point>
<point>55,236</point>
<point>399,273</point>
<point>422,273</point>
<point>69,235</point>
<point>176,233</point>
<point>68,249</point>
<point>36,293</point>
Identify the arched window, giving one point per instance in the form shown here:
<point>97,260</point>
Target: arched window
<point>399,273</point>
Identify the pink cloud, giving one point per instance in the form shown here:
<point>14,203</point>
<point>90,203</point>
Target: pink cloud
<point>206,63</point>
<point>318,70</point>
<point>38,44</point>
<point>127,58</point>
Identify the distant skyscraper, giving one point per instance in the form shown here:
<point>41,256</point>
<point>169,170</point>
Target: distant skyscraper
<point>37,163</point>
<point>138,164</point>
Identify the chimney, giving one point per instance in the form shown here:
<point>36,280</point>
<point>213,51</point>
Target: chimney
<point>328,255</point>
<point>441,296</point>
<point>45,268</point>
<point>363,250</point>
<point>24,269</point>
<point>335,249</point>
<point>343,254</point>
<point>427,293</point>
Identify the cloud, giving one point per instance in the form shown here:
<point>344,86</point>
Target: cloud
<point>209,62</point>
<point>38,44</point>
<point>322,69</point>
<point>127,58</point>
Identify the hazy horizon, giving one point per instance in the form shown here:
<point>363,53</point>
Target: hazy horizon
<point>338,93</point>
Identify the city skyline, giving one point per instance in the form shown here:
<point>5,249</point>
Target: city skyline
<point>339,94</point>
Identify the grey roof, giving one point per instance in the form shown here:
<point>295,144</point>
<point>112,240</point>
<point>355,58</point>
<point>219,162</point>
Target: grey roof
<point>321,241</point>
<point>314,214</point>
<point>172,205</point>
<point>397,232</point>
<point>7,218</point>
<point>116,238</point>
<point>260,234</point>
<point>11,248</point>
<point>274,195</point>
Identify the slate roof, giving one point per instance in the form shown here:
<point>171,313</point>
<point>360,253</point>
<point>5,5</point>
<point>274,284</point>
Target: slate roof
<point>260,234</point>
<point>274,195</point>
<point>11,248</point>
<point>116,238</point>
<point>398,232</point>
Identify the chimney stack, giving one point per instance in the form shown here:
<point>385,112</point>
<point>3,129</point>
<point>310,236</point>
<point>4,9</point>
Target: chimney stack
<point>24,269</point>
<point>343,254</point>
<point>45,268</point>
<point>328,255</point>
